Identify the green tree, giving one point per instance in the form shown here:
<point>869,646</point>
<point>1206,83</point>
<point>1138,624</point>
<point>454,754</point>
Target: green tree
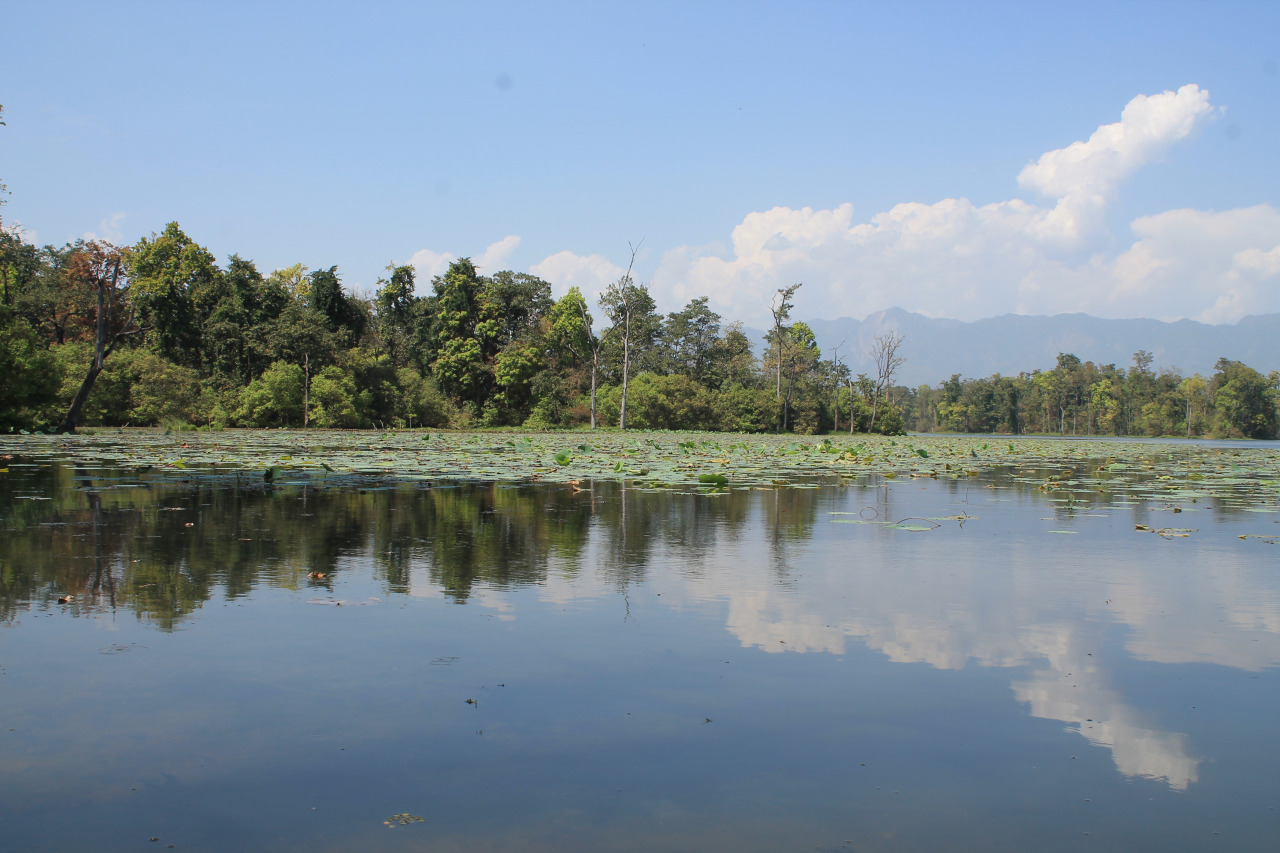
<point>160,392</point>
<point>1245,400</point>
<point>343,313</point>
<point>273,399</point>
<point>51,298</point>
<point>780,308</point>
<point>732,361</point>
<point>396,306</point>
<point>421,403</point>
<point>170,274</point>
<point>238,313</point>
<point>335,399</point>
<point>689,339</point>
<point>572,344</point>
<point>31,374</point>
<point>301,335</point>
<point>20,263</point>
<point>4,190</point>
<point>1195,391</point>
<point>802,405</point>
<point>1106,406</point>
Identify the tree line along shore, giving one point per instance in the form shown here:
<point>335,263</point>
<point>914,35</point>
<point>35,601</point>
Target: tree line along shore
<point>159,334</point>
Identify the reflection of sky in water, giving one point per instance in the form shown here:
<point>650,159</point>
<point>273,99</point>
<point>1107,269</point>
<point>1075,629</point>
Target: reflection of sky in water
<point>604,628</point>
<point>997,591</point>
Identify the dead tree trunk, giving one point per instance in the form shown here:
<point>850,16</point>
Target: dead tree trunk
<point>105,336</point>
<point>884,351</point>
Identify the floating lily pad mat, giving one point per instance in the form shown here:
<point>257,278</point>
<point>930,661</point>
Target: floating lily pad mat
<point>1074,470</point>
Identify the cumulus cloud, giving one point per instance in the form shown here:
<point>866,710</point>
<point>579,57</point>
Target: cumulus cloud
<point>954,258</point>
<point>589,273</point>
<point>494,257</point>
<point>109,229</point>
<point>428,264</point>
<point>1084,176</point>
<point>1214,266</point>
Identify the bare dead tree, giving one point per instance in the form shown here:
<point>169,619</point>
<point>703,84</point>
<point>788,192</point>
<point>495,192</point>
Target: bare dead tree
<point>780,307</point>
<point>836,374</point>
<point>884,352</point>
<point>620,302</point>
<point>99,267</point>
<point>593,346</point>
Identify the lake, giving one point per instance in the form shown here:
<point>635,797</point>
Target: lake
<point>1032,656</point>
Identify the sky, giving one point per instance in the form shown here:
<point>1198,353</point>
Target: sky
<point>960,160</point>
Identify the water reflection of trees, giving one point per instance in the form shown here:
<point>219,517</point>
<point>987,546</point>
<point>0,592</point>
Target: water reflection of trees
<point>160,548</point>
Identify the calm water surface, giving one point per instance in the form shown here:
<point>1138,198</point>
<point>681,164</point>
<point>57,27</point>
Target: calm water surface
<point>530,668</point>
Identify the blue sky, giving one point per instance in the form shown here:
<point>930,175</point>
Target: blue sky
<point>918,155</point>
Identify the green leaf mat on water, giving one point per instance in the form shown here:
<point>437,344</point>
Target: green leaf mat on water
<point>403,819</point>
<point>1178,474</point>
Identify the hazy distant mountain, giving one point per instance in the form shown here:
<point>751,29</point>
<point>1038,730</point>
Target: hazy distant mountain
<point>935,349</point>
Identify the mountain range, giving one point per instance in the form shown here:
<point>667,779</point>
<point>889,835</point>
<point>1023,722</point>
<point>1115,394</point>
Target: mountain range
<point>934,348</point>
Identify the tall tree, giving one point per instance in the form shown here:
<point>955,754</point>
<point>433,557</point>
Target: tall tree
<point>733,362</point>
<point>344,313</point>
<point>622,302</point>
<point>396,304</point>
<point>50,299</point>
<point>170,272</point>
<point>569,331</point>
<point>839,374</point>
<point>512,315</point>
<point>4,191</point>
<point>237,316</point>
<point>780,308</point>
<point>801,358</point>
<point>884,353</point>
<point>19,265</point>
<point>100,268</point>
<point>1245,399</point>
<point>689,340</point>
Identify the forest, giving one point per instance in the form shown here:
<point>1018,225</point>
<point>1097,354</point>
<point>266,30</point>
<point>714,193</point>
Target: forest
<point>159,334</point>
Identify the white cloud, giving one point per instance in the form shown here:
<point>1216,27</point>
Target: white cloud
<point>493,258</point>
<point>1213,266</point>
<point>109,229</point>
<point>957,259</point>
<point>1147,126</point>
<point>428,264</point>
<point>589,273</point>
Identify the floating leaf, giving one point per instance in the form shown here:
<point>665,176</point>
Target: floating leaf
<point>404,819</point>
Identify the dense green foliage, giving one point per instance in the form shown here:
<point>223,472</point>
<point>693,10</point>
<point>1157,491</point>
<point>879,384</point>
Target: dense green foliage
<point>194,343</point>
<point>1081,398</point>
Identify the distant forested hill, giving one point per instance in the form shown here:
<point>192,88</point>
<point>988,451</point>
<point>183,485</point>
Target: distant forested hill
<point>935,349</point>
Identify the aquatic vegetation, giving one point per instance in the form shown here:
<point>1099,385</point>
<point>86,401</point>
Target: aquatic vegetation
<point>1178,475</point>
